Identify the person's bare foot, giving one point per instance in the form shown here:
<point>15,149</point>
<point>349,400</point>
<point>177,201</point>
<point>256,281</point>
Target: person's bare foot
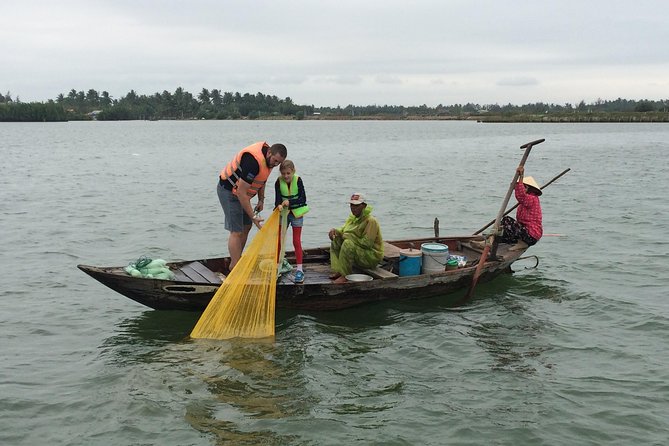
<point>340,279</point>
<point>334,276</point>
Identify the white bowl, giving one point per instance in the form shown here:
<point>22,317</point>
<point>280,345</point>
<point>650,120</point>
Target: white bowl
<point>359,278</point>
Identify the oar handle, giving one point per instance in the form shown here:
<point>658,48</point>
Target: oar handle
<point>528,148</point>
<point>533,143</point>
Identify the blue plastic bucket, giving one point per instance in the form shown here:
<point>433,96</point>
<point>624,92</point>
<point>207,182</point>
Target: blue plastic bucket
<point>410,262</point>
<point>435,257</point>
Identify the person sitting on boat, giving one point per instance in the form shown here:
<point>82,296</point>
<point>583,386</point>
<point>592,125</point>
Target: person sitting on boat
<point>357,243</point>
<point>240,180</point>
<point>526,229</point>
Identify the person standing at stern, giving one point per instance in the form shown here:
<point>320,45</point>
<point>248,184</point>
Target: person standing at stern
<point>241,179</point>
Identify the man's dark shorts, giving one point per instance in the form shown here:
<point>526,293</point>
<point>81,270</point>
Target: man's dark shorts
<point>235,217</point>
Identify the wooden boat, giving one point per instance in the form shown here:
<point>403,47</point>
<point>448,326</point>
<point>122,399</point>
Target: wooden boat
<point>197,281</point>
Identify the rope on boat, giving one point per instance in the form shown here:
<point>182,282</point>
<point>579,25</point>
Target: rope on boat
<point>529,257</point>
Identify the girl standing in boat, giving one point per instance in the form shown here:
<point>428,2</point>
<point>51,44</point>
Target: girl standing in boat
<point>289,191</point>
<point>527,228</point>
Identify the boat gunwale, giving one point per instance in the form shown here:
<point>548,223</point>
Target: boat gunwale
<point>291,295</point>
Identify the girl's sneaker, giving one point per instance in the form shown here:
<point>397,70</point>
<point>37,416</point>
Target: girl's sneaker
<point>299,276</point>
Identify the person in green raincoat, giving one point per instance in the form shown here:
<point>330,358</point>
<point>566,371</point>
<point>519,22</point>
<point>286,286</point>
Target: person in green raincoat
<point>357,243</point>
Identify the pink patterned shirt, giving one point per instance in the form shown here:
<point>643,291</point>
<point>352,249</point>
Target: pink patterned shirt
<point>529,211</point>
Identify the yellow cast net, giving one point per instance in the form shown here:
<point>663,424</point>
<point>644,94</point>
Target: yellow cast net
<point>244,304</point>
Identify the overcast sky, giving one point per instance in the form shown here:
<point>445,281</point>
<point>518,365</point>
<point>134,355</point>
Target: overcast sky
<point>330,53</point>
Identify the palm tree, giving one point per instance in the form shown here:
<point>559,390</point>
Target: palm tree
<point>204,96</point>
<point>106,100</point>
<point>93,98</point>
<point>216,99</point>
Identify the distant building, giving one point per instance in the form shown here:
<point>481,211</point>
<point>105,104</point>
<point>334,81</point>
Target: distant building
<point>94,114</point>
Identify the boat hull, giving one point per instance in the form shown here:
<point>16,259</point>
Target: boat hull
<point>321,295</point>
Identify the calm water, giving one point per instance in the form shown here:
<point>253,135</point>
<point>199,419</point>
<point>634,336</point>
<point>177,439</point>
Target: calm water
<point>573,352</point>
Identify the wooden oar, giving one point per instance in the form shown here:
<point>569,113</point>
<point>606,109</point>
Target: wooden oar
<point>495,232</point>
<point>516,205</point>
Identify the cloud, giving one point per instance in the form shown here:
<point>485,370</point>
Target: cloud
<point>388,79</point>
<point>519,81</point>
<point>358,52</point>
<point>341,80</point>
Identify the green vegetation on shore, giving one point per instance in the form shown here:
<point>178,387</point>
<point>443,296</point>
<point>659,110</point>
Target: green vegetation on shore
<point>214,104</point>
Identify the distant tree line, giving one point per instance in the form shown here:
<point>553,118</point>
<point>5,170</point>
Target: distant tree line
<point>471,109</point>
<point>214,104</point>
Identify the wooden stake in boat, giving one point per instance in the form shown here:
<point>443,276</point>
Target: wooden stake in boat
<point>491,240</point>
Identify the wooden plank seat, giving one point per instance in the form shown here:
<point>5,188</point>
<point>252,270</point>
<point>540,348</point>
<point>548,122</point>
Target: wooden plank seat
<point>196,272</point>
<point>379,273</point>
<point>390,251</point>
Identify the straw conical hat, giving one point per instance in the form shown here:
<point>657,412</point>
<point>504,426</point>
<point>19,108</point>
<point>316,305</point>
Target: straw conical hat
<point>529,181</point>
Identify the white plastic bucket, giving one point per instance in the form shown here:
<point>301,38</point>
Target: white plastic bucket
<point>435,257</point>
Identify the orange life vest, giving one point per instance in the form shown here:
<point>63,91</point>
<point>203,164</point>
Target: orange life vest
<point>228,172</point>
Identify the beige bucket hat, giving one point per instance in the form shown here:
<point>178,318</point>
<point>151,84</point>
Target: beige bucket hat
<point>357,198</point>
<point>529,181</point>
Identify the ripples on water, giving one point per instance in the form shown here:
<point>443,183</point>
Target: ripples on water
<point>572,352</point>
